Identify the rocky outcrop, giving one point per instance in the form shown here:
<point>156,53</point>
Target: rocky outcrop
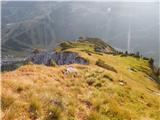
<point>60,58</point>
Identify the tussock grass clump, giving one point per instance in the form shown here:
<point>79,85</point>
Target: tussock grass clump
<point>6,101</point>
<point>108,77</point>
<point>10,114</point>
<point>97,103</point>
<point>96,116</point>
<point>102,64</point>
<point>106,109</point>
<point>20,89</point>
<point>71,112</point>
<point>90,81</point>
<point>98,84</point>
<point>35,109</point>
<point>118,114</point>
<point>54,113</point>
<point>52,63</point>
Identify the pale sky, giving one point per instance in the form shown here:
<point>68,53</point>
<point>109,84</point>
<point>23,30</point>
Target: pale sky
<point>93,0</point>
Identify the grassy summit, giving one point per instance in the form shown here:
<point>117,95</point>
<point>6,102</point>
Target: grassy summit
<point>110,87</point>
<point>87,44</point>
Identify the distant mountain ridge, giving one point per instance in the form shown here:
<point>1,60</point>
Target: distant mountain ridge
<point>29,25</point>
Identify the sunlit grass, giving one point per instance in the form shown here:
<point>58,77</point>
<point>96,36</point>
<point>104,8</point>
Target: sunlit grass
<point>90,93</point>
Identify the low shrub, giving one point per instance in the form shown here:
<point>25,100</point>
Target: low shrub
<point>90,81</point>
<point>145,58</point>
<point>20,89</point>
<point>134,55</point>
<point>65,45</point>
<point>98,84</point>
<point>123,55</point>
<point>151,62</point>
<point>102,64</point>
<point>108,77</point>
<point>52,63</point>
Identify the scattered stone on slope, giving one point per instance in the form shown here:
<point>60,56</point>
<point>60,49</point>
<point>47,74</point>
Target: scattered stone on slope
<point>70,69</point>
<point>122,83</point>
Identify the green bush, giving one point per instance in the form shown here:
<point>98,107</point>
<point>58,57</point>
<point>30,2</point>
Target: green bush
<point>123,55</point>
<point>145,58</point>
<point>134,55</point>
<point>53,63</point>
<point>151,61</point>
<point>102,64</point>
<point>65,45</point>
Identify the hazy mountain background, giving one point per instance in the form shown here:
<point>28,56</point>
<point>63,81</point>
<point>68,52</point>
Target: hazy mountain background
<point>28,25</point>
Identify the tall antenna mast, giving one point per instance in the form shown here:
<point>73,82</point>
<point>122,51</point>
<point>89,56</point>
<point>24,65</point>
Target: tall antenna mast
<point>129,34</point>
<point>129,38</point>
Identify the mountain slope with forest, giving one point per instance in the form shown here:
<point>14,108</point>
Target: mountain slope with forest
<point>109,86</point>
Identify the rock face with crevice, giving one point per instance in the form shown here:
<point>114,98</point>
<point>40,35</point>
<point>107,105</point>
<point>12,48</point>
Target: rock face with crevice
<point>60,58</point>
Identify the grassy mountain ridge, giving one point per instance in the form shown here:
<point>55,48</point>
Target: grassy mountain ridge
<point>87,44</point>
<point>110,87</point>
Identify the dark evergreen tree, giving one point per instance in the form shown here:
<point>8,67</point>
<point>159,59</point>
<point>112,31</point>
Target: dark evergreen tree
<point>126,52</point>
<point>151,62</point>
<point>138,54</point>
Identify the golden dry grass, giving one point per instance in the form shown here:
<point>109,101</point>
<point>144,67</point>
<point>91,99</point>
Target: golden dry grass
<point>90,93</point>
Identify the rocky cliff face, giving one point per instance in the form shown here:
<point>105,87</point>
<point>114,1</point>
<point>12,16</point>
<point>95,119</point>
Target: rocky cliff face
<point>60,58</point>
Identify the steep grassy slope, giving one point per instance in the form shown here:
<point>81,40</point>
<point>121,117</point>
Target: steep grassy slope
<point>83,92</point>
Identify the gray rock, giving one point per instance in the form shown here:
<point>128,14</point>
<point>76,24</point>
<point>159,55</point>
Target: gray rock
<point>45,58</point>
<point>60,58</point>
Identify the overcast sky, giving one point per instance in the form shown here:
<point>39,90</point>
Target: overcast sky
<point>93,0</point>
